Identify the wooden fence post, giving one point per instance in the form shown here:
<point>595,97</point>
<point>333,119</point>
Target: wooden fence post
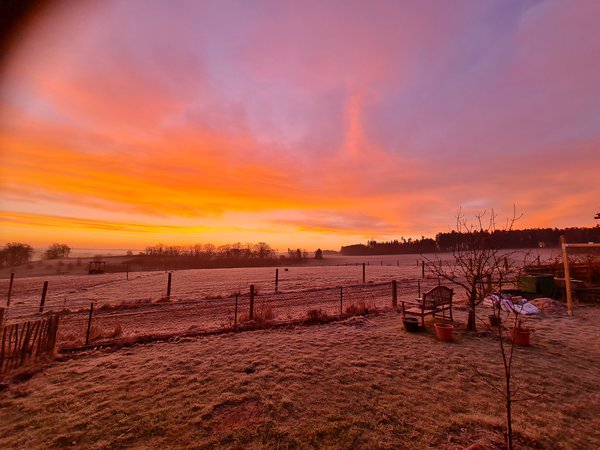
<point>276,279</point>
<point>251,302</point>
<point>169,286</point>
<point>43,300</point>
<point>2,312</point>
<point>89,326</point>
<point>567,276</point>
<point>363,273</point>
<point>10,286</point>
<point>394,294</point>
<point>342,300</point>
<point>423,269</point>
<point>51,334</point>
<point>419,288</point>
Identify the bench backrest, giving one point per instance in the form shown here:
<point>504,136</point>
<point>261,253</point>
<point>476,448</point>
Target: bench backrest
<point>437,296</point>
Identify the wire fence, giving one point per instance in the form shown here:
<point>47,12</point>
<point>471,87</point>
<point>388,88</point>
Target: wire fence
<point>106,324</point>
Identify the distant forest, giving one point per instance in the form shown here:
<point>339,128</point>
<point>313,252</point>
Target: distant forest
<point>444,242</point>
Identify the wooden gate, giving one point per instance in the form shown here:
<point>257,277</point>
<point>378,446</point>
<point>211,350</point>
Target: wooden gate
<point>26,341</point>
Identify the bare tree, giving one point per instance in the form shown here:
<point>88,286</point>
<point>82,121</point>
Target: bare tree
<point>507,388</point>
<point>15,254</point>
<point>476,265</point>
<point>56,251</point>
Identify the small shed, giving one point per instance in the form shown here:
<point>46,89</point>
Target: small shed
<point>97,267</point>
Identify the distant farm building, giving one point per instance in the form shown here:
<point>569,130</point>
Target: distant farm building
<point>97,267</point>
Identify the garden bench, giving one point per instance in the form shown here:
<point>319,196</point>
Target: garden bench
<point>435,301</point>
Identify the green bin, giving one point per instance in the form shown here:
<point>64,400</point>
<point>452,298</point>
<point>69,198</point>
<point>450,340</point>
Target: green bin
<point>537,284</point>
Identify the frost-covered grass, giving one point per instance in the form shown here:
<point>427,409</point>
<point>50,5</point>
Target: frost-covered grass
<point>361,383</point>
<point>69,291</point>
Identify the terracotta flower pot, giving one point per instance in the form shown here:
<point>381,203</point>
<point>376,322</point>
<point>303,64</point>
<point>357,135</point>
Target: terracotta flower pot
<point>444,331</point>
<point>520,336</point>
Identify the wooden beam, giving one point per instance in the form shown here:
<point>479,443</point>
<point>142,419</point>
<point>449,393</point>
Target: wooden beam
<point>588,245</point>
<point>564,245</point>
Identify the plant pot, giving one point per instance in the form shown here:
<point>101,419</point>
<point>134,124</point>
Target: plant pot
<point>494,321</point>
<point>411,324</point>
<point>444,331</point>
<point>520,336</point>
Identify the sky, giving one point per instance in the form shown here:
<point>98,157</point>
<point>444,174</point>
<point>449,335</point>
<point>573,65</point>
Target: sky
<point>124,123</point>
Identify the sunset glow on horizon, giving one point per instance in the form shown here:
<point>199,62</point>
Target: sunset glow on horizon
<point>124,123</point>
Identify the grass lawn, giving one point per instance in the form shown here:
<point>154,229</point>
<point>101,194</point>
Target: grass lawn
<point>363,382</point>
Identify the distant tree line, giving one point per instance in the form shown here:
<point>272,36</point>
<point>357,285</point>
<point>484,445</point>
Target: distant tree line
<point>211,256</point>
<point>261,250</point>
<point>445,242</point>
<point>395,247</point>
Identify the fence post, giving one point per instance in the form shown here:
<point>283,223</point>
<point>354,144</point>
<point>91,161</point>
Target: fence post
<point>89,327</point>
<point>276,279</point>
<point>423,269</point>
<point>2,312</point>
<point>235,312</point>
<point>251,302</point>
<point>419,288</point>
<point>127,269</point>
<point>565,256</point>
<point>169,286</point>
<point>363,273</point>
<point>43,300</point>
<point>394,294</point>
<point>51,334</point>
<point>342,300</point>
<point>10,285</point>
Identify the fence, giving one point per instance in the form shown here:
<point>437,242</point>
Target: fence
<point>26,341</point>
<point>107,324</point>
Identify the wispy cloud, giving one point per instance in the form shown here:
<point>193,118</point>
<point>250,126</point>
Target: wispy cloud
<point>350,119</point>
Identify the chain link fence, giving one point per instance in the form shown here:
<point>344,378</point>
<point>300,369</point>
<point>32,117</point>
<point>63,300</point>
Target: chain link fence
<point>104,323</point>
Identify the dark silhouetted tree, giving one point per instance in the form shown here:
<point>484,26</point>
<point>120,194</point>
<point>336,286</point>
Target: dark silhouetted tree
<point>318,254</point>
<point>56,251</point>
<point>15,254</point>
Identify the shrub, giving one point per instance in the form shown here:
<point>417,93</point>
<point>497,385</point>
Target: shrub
<point>359,308</point>
<point>98,332</point>
<point>316,316</point>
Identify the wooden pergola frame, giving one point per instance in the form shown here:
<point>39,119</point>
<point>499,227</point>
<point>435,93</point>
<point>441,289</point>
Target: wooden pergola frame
<point>564,247</point>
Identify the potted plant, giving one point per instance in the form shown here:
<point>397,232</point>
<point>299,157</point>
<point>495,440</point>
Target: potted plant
<point>495,318</point>
<point>520,334</point>
<point>411,324</point>
<point>444,330</point>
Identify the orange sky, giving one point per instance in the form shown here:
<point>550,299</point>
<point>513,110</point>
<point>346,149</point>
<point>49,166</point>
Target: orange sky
<point>127,123</point>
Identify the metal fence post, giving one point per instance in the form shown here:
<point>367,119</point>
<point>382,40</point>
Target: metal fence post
<point>89,326</point>
<point>10,285</point>
<point>251,302</point>
<point>43,300</point>
<point>276,280</point>
<point>235,312</point>
<point>363,273</point>
<point>169,286</point>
